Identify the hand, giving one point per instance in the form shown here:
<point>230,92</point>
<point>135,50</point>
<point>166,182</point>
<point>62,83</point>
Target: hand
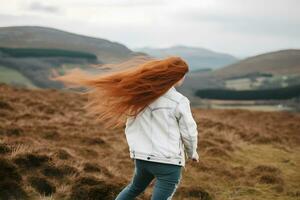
<point>195,157</point>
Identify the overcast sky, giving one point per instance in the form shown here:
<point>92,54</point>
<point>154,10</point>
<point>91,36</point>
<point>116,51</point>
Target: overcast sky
<point>239,27</point>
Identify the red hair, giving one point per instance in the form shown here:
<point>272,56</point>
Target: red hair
<point>116,95</point>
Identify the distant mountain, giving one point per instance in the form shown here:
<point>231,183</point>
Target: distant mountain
<point>197,58</point>
<point>50,38</point>
<point>284,62</point>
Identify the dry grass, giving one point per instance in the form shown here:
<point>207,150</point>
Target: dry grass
<point>50,149</point>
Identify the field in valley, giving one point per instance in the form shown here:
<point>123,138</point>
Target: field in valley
<point>50,149</point>
<point>247,105</point>
<point>13,77</point>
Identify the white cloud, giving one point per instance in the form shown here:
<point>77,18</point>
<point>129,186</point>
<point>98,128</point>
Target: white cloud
<point>37,6</point>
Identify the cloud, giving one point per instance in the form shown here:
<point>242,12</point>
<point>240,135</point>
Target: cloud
<point>249,25</point>
<point>122,3</point>
<point>37,6</point>
<point>238,27</point>
<point>271,17</point>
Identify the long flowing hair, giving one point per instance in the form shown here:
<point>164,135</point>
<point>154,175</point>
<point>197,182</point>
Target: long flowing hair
<point>114,96</point>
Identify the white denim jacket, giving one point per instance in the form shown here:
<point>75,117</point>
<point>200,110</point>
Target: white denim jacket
<point>164,132</point>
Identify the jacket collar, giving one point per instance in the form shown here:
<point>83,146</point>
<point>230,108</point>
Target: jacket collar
<point>172,89</point>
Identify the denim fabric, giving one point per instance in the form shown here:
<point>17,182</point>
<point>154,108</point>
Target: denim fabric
<point>167,177</point>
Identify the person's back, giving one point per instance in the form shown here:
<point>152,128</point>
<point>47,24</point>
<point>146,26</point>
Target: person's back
<point>160,129</point>
<point>156,133</point>
<point>158,139</point>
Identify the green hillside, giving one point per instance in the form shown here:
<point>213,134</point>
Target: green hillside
<point>13,77</point>
<point>37,52</point>
<point>265,71</point>
<point>38,64</point>
<point>50,38</point>
<point>284,62</point>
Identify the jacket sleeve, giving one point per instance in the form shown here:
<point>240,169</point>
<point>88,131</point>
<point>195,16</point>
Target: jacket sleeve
<point>187,127</point>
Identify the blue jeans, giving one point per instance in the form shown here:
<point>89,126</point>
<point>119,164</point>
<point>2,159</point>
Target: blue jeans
<point>167,179</point>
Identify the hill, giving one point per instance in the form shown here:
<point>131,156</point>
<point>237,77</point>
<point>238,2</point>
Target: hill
<point>262,72</point>
<point>37,65</point>
<point>37,52</point>
<point>50,38</point>
<point>284,62</point>
<point>197,58</point>
<point>50,148</point>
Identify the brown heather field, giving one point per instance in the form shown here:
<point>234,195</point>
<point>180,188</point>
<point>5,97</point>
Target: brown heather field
<point>49,149</point>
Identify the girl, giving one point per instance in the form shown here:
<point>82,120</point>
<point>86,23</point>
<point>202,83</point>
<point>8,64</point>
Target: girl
<point>160,130</point>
